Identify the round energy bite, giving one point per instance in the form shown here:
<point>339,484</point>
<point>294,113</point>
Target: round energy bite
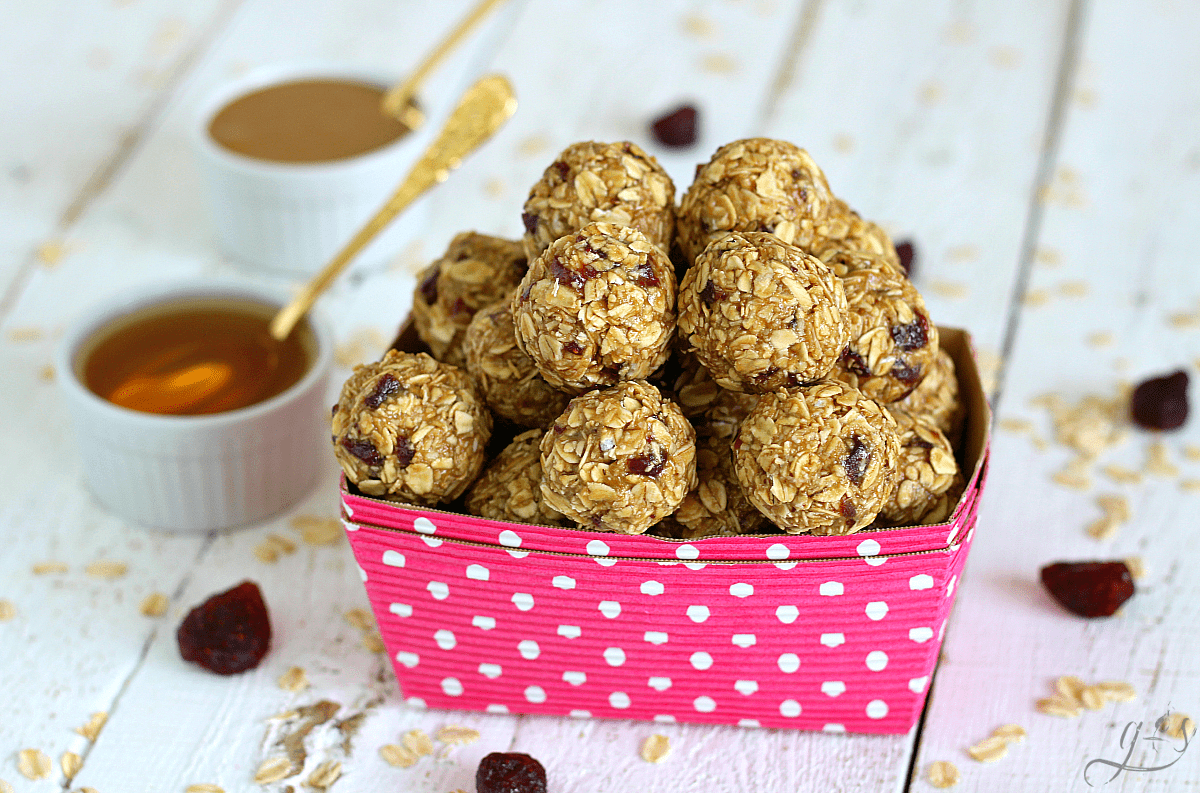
<point>596,307</point>
<point>756,184</point>
<point>410,428</point>
<point>820,459</point>
<point>717,505</point>
<point>619,459</point>
<point>892,342</point>
<point>845,229</point>
<point>936,398</point>
<point>607,182</point>
<point>929,480</point>
<point>510,487</point>
<point>762,314</point>
<point>475,271</point>
<point>506,376</point>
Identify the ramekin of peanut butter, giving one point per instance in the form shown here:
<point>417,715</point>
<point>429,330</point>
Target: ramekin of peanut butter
<point>295,158</point>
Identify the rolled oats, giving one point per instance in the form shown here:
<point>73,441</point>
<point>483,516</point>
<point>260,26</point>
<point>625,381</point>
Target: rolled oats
<point>1116,690</point>
<point>1116,512</point>
<point>273,769</point>
<point>928,480</point>
<point>757,184</point>
<point>373,642</point>
<point>7,610</point>
<point>1012,733</point>
<point>845,234</point>
<point>596,307</point>
<point>204,787</point>
<point>324,775</point>
<point>936,398</point>
<point>1158,463</point>
<point>455,735</point>
<point>48,568</point>
<point>107,569</point>
<point>761,314</point>
<point>717,505</point>
<point>620,459</point>
<point>410,428</point>
<point>509,488</point>
<point>361,619</point>
<point>820,459</point>
<point>155,604</point>
<point>1058,706</point>
<point>398,756</point>
<point>70,763</point>
<point>656,748</point>
<point>942,774</point>
<point>892,342</point>
<point>417,742</point>
<point>989,750</point>
<point>1176,725</point>
<point>507,378</point>
<point>94,725</point>
<point>316,530</point>
<point>34,764</point>
<point>294,679</point>
<point>592,182</point>
<point>475,271</point>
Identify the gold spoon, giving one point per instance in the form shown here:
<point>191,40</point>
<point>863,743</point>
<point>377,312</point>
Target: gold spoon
<point>399,102</point>
<point>482,110</point>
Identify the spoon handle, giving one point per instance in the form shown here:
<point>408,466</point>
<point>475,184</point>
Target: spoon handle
<point>482,110</point>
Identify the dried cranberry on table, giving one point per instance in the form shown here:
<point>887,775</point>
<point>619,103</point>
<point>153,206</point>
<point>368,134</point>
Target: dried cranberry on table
<point>677,128</point>
<point>228,633</point>
<point>510,772</point>
<point>1089,589</point>
<point>1160,403</point>
<point>907,253</point>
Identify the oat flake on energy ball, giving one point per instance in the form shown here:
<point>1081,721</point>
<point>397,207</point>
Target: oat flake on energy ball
<point>607,182</point>
<point>757,184</point>
<point>819,459</point>
<point>929,482</point>
<point>762,314</point>
<point>597,307</point>
<point>410,428</point>
<point>620,459</point>
<point>510,487</point>
<point>845,230</point>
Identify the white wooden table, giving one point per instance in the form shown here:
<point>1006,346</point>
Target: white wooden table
<point>1044,155</point>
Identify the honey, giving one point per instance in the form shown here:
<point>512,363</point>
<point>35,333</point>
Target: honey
<point>306,121</point>
<point>194,357</point>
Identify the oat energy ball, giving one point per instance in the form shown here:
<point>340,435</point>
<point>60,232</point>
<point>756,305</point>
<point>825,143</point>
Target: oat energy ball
<point>845,230</point>
<point>510,487</point>
<point>620,459</point>
<point>598,306</point>
<point>756,184</point>
<point>820,459</point>
<point>607,182</point>
<point>411,429</point>
<point>892,342</point>
<point>762,314</point>
<point>717,505</point>
<point>936,398</point>
<point>929,480</point>
<point>476,271</point>
<point>507,377</point>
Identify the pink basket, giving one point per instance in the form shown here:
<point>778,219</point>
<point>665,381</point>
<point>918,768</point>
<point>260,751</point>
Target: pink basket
<point>833,633</point>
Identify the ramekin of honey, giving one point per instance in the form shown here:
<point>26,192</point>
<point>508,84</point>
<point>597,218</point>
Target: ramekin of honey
<point>188,415</point>
<point>295,159</point>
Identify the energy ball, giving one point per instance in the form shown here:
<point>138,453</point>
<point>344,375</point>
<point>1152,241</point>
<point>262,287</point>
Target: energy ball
<point>820,459</point>
<point>936,398</point>
<point>762,314</point>
<point>929,480</point>
<point>892,342</point>
<point>476,271</point>
<point>600,182</point>
<point>843,261</point>
<point>717,505</point>
<point>507,377</point>
<point>845,229</point>
<point>411,429</point>
<point>510,487</point>
<point>620,459</point>
<point>756,184</point>
<point>597,307</point>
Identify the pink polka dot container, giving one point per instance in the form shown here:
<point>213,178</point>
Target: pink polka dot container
<point>839,634</point>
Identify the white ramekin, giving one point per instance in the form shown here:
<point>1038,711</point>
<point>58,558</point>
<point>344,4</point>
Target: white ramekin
<point>198,473</point>
<point>291,218</point>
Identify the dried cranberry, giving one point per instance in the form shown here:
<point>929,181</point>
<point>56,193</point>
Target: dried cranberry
<point>677,128</point>
<point>429,287</point>
<point>573,347</point>
<point>855,363</point>
<point>917,442</point>
<point>403,451</point>
<point>531,222</point>
<point>858,457</point>
<point>228,633</point>
<point>563,169</point>
<point>907,254</point>
<point>1089,589</point>
<point>905,373</point>
<point>711,293</point>
<point>765,374</point>
<point>1160,403</point>
<point>363,450</point>
<point>510,772</point>
<point>385,387</point>
<point>847,509</point>
<point>645,277</point>
<point>459,306</point>
<point>563,275</point>
<point>912,336</point>
<point>650,465</point>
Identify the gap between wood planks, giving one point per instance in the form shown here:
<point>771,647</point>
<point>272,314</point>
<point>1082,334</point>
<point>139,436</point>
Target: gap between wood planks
<point>124,150</point>
<point>789,65</point>
<point>1068,64</point>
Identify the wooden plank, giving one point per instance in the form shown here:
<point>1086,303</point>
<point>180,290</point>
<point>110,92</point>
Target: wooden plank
<point>1115,265</point>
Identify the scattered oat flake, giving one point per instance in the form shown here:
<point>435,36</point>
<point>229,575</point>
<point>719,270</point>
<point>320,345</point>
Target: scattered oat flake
<point>266,553</point>
<point>1092,698</point>
<point>1122,475</point>
<point>656,748</point>
<point>34,764</point>
<point>1116,690</point>
<point>47,568</point>
<point>942,774</point>
<point>1037,297</point>
<point>1116,512</point>
<point>7,610</point>
<point>294,679</point>
<point>417,742</point>
<point>699,26</point>
<point>273,769</point>
<point>1048,257</point>
<point>5,787</point>
<point>373,642</point>
<point>316,530</point>
<point>493,187</point>
<point>1071,476</point>
<point>1157,462</point>
<point>155,604</point>
<point>1175,724</point>
<point>398,756</point>
<point>1005,57</point>
<point>204,787</point>
<point>1013,733</point>
<point>931,92</point>
<point>457,736</point>
<point>25,334</point>
<point>1190,485</point>
<point>533,145</point>
<point>282,543</point>
<point>949,289</point>
<point>107,569</point>
<point>325,774</point>
<point>718,63</point>
<point>361,619</point>
<point>70,764</point>
<point>1069,687</point>
<point>1016,425</point>
<point>963,253</point>
<point>989,750</point>
<point>1100,339</point>
<point>1184,320</point>
<point>1057,706</point>
<point>1073,288</point>
<point>46,373</point>
<point>95,724</point>
<point>1192,452</point>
